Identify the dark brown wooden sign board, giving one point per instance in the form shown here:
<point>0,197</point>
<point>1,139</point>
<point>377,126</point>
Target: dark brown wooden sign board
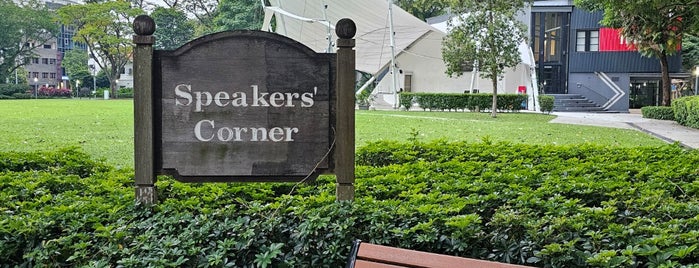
<point>243,106</point>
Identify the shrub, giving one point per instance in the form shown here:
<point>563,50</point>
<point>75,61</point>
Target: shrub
<point>50,91</point>
<point>658,112</point>
<point>546,103</point>
<point>546,206</point>
<point>13,91</point>
<point>686,110</point>
<point>472,102</point>
<point>406,100</point>
<point>125,92</point>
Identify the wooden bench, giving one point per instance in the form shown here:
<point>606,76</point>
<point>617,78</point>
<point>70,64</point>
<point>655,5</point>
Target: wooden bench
<point>366,255</point>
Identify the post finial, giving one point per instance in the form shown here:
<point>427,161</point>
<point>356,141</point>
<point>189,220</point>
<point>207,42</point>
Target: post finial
<point>345,29</point>
<point>143,25</point>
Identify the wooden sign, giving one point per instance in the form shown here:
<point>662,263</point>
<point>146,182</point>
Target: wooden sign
<point>243,106</point>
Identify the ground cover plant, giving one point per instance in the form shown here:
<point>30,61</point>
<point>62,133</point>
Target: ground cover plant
<point>104,129</point>
<point>539,205</point>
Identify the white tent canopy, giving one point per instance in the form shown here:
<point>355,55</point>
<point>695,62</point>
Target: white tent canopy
<point>307,21</point>
<point>417,44</point>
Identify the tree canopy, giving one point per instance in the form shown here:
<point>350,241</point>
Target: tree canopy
<point>486,33</point>
<point>423,9</point>
<point>173,28</point>
<point>654,27</point>
<point>106,29</point>
<point>239,15</point>
<point>22,29</point>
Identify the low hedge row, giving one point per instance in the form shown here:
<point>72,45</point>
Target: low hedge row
<point>686,110</point>
<point>472,102</point>
<point>14,91</point>
<point>546,206</point>
<point>658,112</point>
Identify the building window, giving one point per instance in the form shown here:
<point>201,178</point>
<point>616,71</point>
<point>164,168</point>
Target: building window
<point>44,75</point>
<point>53,75</point>
<point>52,61</point>
<point>587,40</point>
<point>47,46</point>
<point>36,74</point>
<point>35,60</point>
<point>44,61</point>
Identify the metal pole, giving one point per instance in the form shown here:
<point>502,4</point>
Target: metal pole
<point>394,82</point>
<point>144,176</point>
<point>344,134</point>
<point>696,81</point>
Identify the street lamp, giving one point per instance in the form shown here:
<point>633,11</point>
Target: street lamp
<point>696,80</point>
<point>36,87</point>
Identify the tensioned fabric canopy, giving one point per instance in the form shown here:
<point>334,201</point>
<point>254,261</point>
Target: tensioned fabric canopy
<point>312,21</point>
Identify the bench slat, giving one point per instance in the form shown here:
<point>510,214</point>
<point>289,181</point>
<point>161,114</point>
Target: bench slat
<point>370,264</point>
<point>412,258</point>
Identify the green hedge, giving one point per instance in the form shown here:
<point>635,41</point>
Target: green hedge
<point>687,111</point>
<point>546,103</point>
<point>658,112</point>
<point>14,91</point>
<point>545,206</point>
<point>472,102</point>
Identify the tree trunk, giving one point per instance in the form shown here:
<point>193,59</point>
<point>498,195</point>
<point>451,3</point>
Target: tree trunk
<point>664,70</point>
<point>494,109</point>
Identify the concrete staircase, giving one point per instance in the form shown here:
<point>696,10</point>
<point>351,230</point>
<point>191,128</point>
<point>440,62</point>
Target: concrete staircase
<point>574,103</point>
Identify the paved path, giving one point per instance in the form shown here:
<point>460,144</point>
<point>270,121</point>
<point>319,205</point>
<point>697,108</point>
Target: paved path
<point>667,130</point>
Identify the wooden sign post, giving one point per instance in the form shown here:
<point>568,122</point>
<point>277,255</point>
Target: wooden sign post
<point>344,156</point>
<point>243,106</point>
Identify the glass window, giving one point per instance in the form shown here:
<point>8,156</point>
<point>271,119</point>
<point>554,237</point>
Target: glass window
<point>47,46</point>
<point>44,75</point>
<point>44,61</point>
<point>53,75</point>
<point>587,40</point>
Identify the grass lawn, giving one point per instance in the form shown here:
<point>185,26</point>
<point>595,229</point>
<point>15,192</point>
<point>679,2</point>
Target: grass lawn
<point>104,129</point>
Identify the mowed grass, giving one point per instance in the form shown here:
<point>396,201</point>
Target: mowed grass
<point>104,129</point>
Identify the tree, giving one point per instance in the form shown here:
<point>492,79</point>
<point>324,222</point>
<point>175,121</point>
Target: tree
<point>423,9</point>
<point>690,52</point>
<point>22,29</point>
<point>654,27</point>
<point>486,33</point>
<point>204,11</point>
<point>106,29</point>
<point>75,61</point>
<point>239,15</point>
<point>173,28</point>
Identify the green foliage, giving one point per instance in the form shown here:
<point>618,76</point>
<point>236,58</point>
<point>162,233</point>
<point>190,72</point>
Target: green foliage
<point>12,91</point>
<point>546,206</point>
<point>423,9</point>
<point>658,112</point>
<point>364,98</point>
<point>239,15</point>
<point>125,92</point>
<point>486,33</point>
<point>75,62</point>
<point>28,21</point>
<point>546,103</point>
<point>173,28</point>
<point>686,111</point>
<point>690,51</point>
<point>472,102</point>
<point>407,100</point>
